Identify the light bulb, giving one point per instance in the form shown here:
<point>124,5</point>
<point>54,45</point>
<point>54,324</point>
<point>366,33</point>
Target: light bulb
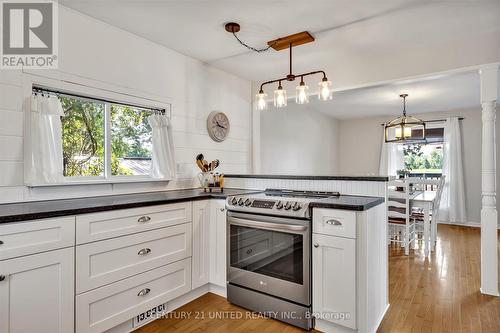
<point>398,133</point>
<point>280,97</point>
<point>325,90</point>
<point>260,100</point>
<point>404,133</point>
<point>301,96</point>
<point>407,132</point>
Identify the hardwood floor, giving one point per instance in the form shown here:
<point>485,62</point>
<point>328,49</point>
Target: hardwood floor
<point>439,294</point>
<point>202,314</point>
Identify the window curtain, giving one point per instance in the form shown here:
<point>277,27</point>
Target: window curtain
<point>453,197</point>
<point>391,157</point>
<point>46,165</point>
<point>163,162</point>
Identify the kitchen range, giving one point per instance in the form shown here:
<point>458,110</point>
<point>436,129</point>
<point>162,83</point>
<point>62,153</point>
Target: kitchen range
<point>269,254</point>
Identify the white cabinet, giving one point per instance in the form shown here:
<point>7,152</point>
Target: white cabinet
<point>108,261</point>
<point>37,293</point>
<point>23,238</point>
<point>105,225</point>
<point>334,279</point>
<point>201,243</point>
<point>105,307</point>
<point>218,253</point>
<point>350,281</point>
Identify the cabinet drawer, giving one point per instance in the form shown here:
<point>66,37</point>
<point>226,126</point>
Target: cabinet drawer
<point>111,260</point>
<point>99,226</point>
<point>23,238</point>
<point>103,308</point>
<point>334,222</point>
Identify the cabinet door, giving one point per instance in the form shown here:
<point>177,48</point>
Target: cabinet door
<point>37,293</point>
<point>201,243</point>
<point>218,243</point>
<point>334,279</point>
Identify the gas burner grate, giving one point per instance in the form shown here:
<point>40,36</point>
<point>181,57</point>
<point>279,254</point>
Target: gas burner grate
<point>300,194</point>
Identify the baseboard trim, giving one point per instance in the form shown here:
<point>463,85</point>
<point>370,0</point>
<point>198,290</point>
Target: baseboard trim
<point>492,293</point>
<point>467,224</point>
<point>381,318</point>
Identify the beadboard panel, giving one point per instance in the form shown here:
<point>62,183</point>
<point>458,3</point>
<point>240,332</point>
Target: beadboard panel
<point>193,88</point>
<point>344,187</point>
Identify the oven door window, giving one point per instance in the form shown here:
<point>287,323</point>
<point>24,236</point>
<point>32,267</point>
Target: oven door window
<point>272,253</point>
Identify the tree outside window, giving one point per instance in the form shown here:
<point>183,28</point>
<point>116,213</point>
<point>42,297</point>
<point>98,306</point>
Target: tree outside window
<point>84,139</point>
<point>424,158</point>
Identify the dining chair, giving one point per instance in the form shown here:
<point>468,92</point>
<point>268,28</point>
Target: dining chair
<point>401,225</point>
<point>418,215</point>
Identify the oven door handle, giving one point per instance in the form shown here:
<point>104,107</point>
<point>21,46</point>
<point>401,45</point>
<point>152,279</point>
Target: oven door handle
<point>267,225</point>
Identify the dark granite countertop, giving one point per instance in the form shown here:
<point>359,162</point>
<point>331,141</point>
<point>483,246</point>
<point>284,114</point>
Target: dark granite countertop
<point>24,211</point>
<point>348,202</point>
<point>311,177</point>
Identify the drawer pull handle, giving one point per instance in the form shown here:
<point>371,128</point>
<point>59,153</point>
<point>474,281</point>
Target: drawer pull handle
<point>144,219</point>
<point>1,242</point>
<point>144,292</point>
<point>316,245</point>
<point>2,277</point>
<point>222,209</point>
<point>334,222</point>
<point>143,252</point>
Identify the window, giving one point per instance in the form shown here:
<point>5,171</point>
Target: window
<point>105,139</point>
<point>426,159</point>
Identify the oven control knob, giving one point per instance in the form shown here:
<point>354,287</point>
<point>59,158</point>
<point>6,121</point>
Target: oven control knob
<point>279,205</point>
<point>234,201</point>
<point>296,206</point>
<point>240,202</point>
<point>288,205</point>
<point>248,202</point>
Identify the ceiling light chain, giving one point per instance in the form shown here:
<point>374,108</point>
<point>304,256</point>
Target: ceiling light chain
<point>235,27</point>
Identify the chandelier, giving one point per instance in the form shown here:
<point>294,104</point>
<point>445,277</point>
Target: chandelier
<point>405,129</point>
<point>301,91</point>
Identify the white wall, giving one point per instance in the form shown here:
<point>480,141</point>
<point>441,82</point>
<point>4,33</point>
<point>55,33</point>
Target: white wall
<point>298,140</point>
<point>361,140</point>
<point>108,56</point>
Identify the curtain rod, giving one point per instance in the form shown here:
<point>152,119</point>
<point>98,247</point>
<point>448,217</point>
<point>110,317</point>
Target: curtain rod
<point>435,120</point>
<point>40,89</point>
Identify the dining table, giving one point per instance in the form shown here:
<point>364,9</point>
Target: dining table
<point>425,201</point>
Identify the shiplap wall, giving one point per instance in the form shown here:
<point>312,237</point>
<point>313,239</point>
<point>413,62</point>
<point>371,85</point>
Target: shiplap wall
<point>97,52</point>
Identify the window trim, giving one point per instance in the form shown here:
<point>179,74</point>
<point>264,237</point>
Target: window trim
<point>100,93</point>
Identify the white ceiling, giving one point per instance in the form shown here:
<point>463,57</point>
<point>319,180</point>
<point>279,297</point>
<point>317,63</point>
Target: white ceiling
<point>432,94</point>
<point>343,29</point>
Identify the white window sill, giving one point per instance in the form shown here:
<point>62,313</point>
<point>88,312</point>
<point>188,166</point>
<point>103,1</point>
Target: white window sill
<point>100,181</point>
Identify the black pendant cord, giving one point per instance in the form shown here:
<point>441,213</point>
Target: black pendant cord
<point>251,47</point>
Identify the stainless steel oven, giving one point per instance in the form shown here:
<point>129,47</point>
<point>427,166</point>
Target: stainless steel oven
<point>269,264</point>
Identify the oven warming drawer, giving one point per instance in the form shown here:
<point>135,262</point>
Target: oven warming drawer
<point>294,314</point>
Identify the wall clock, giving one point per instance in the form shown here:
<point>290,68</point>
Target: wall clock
<point>218,126</point>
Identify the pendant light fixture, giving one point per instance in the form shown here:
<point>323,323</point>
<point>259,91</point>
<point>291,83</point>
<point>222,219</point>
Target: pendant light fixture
<point>325,91</point>
<point>405,129</point>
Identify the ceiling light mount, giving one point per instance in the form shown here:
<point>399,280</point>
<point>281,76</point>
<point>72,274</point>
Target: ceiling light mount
<point>232,27</point>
